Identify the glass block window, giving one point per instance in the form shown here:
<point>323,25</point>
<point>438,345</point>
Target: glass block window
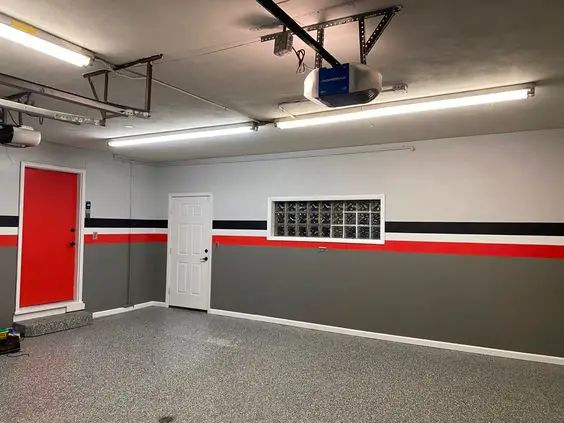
<point>333,220</point>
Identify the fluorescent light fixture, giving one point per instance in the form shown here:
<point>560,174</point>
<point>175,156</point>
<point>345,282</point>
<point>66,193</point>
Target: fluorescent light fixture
<point>451,101</point>
<point>33,38</point>
<point>184,135</point>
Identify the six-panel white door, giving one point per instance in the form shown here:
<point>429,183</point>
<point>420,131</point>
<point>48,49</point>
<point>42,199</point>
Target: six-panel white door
<point>189,250</point>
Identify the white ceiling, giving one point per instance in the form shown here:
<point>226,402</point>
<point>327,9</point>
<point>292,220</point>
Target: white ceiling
<point>209,47</point>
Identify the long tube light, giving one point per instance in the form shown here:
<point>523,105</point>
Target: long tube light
<point>31,37</point>
<point>452,101</point>
<point>184,135</point>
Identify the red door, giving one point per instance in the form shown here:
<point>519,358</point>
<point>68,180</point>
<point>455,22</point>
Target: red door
<point>49,237</point>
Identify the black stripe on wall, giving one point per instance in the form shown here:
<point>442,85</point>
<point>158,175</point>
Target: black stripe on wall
<point>477,228</point>
<point>240,224</point>
<point>466,228</point>
<point>125,223</point>
<point>9,221</point>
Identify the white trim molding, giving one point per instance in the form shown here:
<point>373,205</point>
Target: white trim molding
<point>24,313</point>
<point>240,232</point>
<point>35,312</point>
<point>394,338</point>
<point>119,310</point>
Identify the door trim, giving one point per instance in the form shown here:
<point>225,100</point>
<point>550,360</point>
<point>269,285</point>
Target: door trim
<point>180,195</point>
<point>22,313</point>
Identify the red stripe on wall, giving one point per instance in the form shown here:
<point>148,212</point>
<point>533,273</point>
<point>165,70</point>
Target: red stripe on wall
<point>124,238</point>
<point>8,240</point>
<point>12,240</point>
<point>419,247</point>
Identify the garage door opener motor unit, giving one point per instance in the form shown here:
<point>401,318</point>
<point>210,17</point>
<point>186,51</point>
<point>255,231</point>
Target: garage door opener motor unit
<point>344,85</point>
<point>19,136</point>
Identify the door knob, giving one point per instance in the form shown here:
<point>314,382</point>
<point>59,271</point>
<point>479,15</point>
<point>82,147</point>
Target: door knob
<point>203,260</point>
<point>72,243</point>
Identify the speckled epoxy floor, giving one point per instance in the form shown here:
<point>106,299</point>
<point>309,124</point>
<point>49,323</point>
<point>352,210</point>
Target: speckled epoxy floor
<point>142,365</point>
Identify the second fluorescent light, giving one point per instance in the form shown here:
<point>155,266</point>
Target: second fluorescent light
<point>422,105</point>
<point>35,39</point>
<point>184,135</point>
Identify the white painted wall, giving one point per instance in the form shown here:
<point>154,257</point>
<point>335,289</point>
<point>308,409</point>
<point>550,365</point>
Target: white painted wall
<point>502,177</point>
<point>107,180</point>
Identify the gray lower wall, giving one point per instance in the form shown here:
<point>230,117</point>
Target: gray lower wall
<point>148,272</point>
<point>105,276</point>
<point>8,266</point>
<point>499,302</point>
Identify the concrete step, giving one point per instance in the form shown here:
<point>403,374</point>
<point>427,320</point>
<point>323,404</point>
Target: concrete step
<point>57,323</point>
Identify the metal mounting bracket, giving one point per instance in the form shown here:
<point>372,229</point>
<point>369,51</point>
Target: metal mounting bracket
<point>147,61</point>
<point>45,90</point>
<point>386,14</point>
<point>293,26</point>
<point>366,46</point>
<point>320,40</point>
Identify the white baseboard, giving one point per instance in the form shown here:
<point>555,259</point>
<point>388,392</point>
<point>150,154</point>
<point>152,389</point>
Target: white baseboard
<point>150,304</point>
<point>111,312</point>
<point>395,338</point>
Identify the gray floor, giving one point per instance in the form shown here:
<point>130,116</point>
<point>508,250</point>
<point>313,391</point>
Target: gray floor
<point>142,365</point>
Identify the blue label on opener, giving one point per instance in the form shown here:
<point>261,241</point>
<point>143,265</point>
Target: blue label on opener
<point>334,80</point>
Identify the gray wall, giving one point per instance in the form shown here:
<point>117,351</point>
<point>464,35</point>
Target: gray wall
<point>509,303</point>
<point>106,276</point>
<point>8,260</point>
<point>499,302</point>
<point>108,283</point>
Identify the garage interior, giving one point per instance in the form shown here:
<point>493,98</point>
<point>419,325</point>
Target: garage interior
<point>281,211</point>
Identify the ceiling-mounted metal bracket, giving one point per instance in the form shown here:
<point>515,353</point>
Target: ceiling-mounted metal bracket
<point>366,46</point>
<point>320,40</point>
<point>147,61</point>
<point>68,97</point>
<point>386,14</point>
<point>293,26</point>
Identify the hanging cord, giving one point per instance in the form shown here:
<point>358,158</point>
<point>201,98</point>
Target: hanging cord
<point>12,118</point>
<point>300,54</point>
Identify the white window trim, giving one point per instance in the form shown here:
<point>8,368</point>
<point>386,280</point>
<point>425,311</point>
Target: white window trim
<point>42,310</point>
<point>270,218</point>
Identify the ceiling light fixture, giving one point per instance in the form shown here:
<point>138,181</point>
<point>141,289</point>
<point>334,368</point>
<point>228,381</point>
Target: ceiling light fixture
<point>451,101</point>
<point>184,135</point>
<point>36,39</point>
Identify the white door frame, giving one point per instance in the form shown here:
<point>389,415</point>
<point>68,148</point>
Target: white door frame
<point>180,195</point>
<point>24,313</point>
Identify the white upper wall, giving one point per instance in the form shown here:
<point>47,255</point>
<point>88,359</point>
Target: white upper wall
<point>107,180</point>
<point>502,177</point>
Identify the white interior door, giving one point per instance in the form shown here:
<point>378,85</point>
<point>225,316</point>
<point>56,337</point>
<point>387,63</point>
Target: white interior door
<point>190,251</point>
